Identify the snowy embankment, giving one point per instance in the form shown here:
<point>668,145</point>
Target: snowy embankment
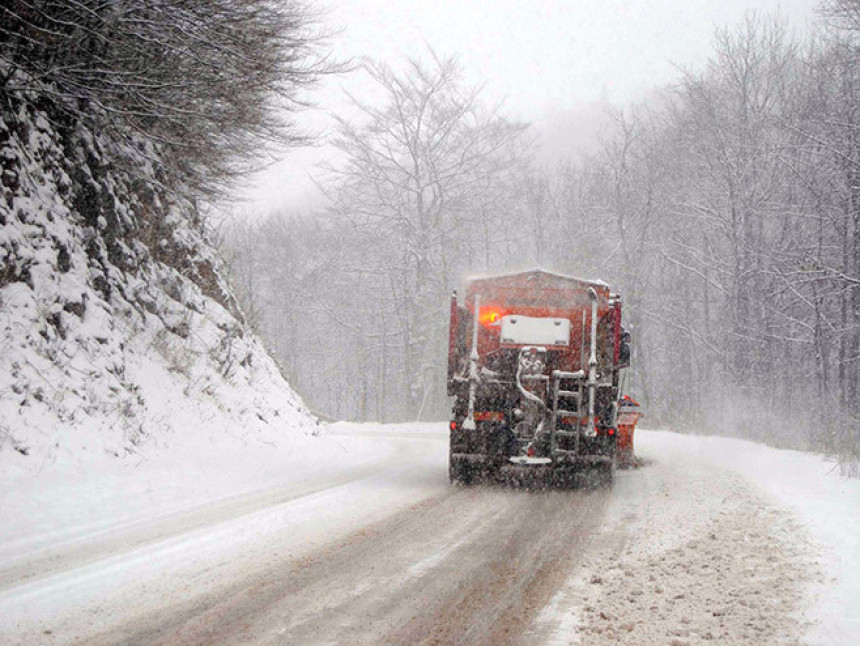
<point>828,508</point>
<point>717,539</point>
<point>119,334</point>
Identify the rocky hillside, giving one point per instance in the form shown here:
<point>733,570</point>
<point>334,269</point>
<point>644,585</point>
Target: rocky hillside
<point>118,332</point>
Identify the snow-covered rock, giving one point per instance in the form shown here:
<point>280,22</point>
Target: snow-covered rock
<point>117,330</point>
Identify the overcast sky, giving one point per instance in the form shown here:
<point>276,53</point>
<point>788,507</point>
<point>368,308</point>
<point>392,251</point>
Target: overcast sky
<point>555,63</point>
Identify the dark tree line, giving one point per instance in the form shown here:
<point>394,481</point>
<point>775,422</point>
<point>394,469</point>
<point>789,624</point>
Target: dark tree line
<point>207,82</point>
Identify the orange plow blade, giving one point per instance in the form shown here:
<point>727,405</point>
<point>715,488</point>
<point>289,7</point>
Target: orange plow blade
<point>628,415</point>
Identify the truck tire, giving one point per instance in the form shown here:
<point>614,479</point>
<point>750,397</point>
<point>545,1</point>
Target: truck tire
<point>605,474</point>
<point>564,478</point>
<point>460,472</point>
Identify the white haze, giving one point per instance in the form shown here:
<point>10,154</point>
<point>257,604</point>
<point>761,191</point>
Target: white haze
<point>554,63</point>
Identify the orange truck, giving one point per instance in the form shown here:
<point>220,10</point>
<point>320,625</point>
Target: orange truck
<point>534,366</point>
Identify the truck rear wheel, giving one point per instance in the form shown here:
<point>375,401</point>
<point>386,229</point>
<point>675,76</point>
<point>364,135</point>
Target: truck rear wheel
<point>605,474</point>
<point>564,478</point>
<point>460,472</point>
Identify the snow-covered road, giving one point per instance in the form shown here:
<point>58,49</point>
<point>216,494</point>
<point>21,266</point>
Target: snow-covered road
<point>357,538</point>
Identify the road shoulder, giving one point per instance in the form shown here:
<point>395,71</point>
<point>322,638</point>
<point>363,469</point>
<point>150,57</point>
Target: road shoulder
<point>690,552</point>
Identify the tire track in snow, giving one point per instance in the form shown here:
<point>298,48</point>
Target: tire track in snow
<point>110,542</point>
<point>466,566</point>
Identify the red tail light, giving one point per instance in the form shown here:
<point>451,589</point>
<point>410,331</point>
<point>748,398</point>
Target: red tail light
<point>488,416</point>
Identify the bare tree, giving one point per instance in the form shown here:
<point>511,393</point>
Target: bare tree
<point>419,168</point>
<point>208,82</point>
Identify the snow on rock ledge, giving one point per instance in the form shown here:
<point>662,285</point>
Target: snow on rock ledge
<point>117,332</point>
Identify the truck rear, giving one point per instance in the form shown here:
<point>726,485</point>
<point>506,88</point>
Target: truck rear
<point>534,366</point>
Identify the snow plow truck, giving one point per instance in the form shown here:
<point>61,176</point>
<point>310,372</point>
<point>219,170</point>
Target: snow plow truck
<point>534,367</point>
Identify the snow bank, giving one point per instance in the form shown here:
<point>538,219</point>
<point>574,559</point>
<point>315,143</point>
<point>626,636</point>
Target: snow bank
<point>84,549</point>
<point>119,340</point>
<point>79,500</point>
<point>717,540</point>
<point>826,504</point>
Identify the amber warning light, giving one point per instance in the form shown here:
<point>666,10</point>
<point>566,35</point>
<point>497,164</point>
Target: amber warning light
<point>489,316</point>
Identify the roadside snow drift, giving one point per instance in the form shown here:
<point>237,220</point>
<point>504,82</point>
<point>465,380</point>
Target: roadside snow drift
<point>717,540</point>
<point>117,333</point>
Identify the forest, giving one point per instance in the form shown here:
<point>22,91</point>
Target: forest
<point>725,210</point>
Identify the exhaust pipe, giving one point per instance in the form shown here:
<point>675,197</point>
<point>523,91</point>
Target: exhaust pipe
<point>469,422</point>
<point>590,430</point>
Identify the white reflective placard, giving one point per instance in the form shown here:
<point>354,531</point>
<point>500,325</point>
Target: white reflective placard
<point>524,459</point>
<point>527,330</point>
